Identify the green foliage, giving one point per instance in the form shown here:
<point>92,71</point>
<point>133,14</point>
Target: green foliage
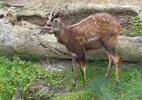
<point>129,88</point>
<point>77,95</point>
<point>135,26</point>
<point>14,73</point>
<point>53,77</point>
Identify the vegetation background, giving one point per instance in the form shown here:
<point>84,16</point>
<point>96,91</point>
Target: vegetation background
<point>16,72</point>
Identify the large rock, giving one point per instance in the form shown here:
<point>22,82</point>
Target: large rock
<point>19,33</point>
<point>42,7</point>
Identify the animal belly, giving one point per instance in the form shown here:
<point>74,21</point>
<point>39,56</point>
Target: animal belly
<point>93,44</point>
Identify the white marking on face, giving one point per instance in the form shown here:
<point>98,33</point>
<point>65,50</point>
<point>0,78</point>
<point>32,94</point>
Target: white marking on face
<point>73,54</point>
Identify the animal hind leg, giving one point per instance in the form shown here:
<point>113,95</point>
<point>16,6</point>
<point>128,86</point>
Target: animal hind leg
<point>116,60</point>
<point>108,44</point>
<point>109,66</point>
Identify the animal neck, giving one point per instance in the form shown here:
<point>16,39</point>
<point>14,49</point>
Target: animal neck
<point>62,35</point>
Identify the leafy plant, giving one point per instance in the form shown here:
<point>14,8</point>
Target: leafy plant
<point>20,73</point>
<point>14,73</point>
<point>135,26</point>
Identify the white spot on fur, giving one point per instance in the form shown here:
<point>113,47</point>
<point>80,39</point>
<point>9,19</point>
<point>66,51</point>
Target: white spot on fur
<point>93,33</point>
<point>92,39</point>
<point>109,56</point>
<point>73,54</point>
<point>84,69</point>
<point>45,26</point>
<point>80,22</point>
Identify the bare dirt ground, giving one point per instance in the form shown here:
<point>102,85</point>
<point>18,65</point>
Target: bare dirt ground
<point>55,64</point>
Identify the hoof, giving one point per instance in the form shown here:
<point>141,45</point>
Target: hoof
<point>73,86</point>
<point>116,84</point>
<point>84,84</point>
<point>70,90</point>
<point>106,78</point>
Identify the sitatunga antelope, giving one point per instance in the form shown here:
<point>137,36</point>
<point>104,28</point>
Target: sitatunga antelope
<point>96,31</point>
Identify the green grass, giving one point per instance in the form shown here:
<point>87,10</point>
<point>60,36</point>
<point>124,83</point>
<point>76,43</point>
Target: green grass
<point>129,88</point>
<point>20,73</point>
<point>14,73</point>
<point>17,72</point>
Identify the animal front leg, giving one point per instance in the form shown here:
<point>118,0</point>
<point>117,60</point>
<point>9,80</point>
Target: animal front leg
<point>82,67</point>
<point>74,71</point>
<point>116,60</point>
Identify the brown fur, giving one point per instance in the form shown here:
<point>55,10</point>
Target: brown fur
<point>100,25</point>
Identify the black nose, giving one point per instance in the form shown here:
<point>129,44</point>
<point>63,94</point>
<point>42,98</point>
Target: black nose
<point>49,25</point>
<point>42,32</point>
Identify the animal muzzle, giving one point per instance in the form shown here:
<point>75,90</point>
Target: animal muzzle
<point>44,30</point>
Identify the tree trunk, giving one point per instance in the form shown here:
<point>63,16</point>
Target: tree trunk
<point>28,42</point>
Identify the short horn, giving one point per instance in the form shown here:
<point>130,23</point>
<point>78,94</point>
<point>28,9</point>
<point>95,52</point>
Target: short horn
<point>51,14</point>
<point>55,13</point>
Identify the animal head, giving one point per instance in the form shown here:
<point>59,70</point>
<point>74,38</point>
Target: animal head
<point>53,24</point>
